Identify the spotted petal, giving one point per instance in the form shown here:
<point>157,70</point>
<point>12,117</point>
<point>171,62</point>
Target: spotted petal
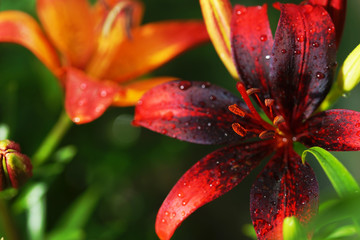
<point>71,27</point>
<point>303,61</point>
<point>85,98</point>
<point>207,180</point>
<point>252,40</point>
<point>194,112</point>
<point>284,188</point>
<point>333,130</point>
<point>152,45</point>
<point>18,27</point>
<point>337,11</point>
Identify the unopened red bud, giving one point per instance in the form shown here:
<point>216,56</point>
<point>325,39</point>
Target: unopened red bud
<point>16,167</point>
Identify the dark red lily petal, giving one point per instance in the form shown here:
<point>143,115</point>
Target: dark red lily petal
<point>337,11</point>
<point>87,99</point>
<point>284,188</point>
<point>251,42</point>
<point>191,111</point>
<point>303,61</point>
<point>333,130</point>
<point>207,180</point>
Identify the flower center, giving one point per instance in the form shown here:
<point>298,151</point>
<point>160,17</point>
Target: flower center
<point>264,129</point>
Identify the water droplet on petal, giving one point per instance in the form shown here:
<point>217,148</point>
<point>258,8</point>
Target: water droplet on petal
<point>212,98</point>
<point>103,93</point>
<point>263,38</point>
<point>166,213</point>
<point>320,75</point>
<point>267,57</point>
<point>331,29</point>
<point>315,44</point>
<point>300,38</point>
<point>184,203</point>
<point>163,131</point>
<point>283,51</point>
<point>183,85</point>
<point>83,86</point>
<point>297,52</point>
<point>205,85</point>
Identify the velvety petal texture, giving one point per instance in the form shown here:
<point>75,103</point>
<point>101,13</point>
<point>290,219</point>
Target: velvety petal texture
<point>337,11</point>
<point>303,61</point>
<point>153,45</point>
<point>252,40</point>
<point>208,179</point>
<point>85,98</point>
<point>70,26</point>
<point>191,111</point>
<point>284,188</point>
<point>18,27</point>
<point>333,130</point>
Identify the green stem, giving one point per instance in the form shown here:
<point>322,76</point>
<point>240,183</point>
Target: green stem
<point>52,140</point>
<point>8,222</point>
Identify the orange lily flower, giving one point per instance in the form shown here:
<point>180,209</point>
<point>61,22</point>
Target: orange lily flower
<point>98,51</point>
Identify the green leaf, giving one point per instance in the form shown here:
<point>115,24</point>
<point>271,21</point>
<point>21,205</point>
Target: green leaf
<point>249,231</point>
<point>342,181</point>
<point>292,229</point>
<point>342,232</point>
<point>4,131</point>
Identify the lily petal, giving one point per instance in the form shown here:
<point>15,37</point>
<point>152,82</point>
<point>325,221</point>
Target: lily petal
<point>70,26</point>
<point>217,17</point>
<point>195,112</point>
<point>87,99</point>
<point>303,62</point>
<point>18,27</point>
<point>153,45</point>
<point>337,11</point>
<point>333,130</point>
<point>284,188</point>
<point>134,91</point>
<point>252,40</point>
<point>207,180</point>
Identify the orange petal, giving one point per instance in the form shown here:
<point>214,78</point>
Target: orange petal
<point>71,27</point>
<point>115,28</point>
<point>85,98</point>
<point>217,17</point>
<point>18,27</point>
<point>134,91</point>
<point>153,45</point>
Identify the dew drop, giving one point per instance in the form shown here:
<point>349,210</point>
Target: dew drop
<point>166,213</point>
<point>183,85</point>
<point>180,195</point>
<point>345,95</point>
<point>184,203</point>
<point>173,214</point>
<point>76,119</point>
<point>183,213</point>
<point>209,124</point>
<point>283,51</point>
<point>163,131</point>
<point>267,57</point>
<point>300,38</point>
<point>103,93</point>
<point>320,75</point>
<point>297,52</point>
<point>205,85</point>
<point>263,38</point>
<point>212,98</point>
<point>163,220</point>
<point>331,29</point>
<point>315,44</point>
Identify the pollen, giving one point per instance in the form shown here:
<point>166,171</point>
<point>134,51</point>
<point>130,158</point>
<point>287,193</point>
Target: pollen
<point>267,134</point>
<point>239,129</point>
<point>251,91</point>
<point>278,120</point>
<point>236,110</point>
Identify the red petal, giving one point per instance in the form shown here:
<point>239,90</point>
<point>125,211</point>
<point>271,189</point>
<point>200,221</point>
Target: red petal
<point>207,180</point>
<point>251,40</point>
<point>87,99</point>
<point>334,130</point>
<point>195,112</point>
<point>302,66</point>
<point>337,11</point>
<point>285,187</point>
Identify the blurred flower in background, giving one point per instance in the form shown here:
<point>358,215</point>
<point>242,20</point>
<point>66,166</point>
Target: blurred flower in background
<point>102,48</point>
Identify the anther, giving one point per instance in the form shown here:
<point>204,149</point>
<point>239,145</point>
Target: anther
<point>278,120</point>
<point>267,134</point>
<point>236,110</point>
<point>239,129</point>
<point>269,102</point>
<point>252,91</point>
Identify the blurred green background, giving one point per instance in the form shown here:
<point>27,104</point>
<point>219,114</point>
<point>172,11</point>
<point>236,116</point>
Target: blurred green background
<point>120,174</point>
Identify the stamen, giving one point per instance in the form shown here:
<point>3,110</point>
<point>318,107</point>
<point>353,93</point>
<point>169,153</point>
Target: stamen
<point>239,129</point>
<point>241,88</point>
<point>236,110</point>
<point>278,120</point>
<point>127,9</point>
<point>252,91</point>
<point>269,103</point>
<point>267,134</point>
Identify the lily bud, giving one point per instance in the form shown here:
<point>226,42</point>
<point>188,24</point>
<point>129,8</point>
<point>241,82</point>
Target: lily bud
<point>217,17</point>
<point>348,78</point>
<point>16,167</point>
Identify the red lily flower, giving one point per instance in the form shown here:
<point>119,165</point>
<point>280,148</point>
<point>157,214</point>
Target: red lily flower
<point>288,78</point>
<point>102,48</point>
